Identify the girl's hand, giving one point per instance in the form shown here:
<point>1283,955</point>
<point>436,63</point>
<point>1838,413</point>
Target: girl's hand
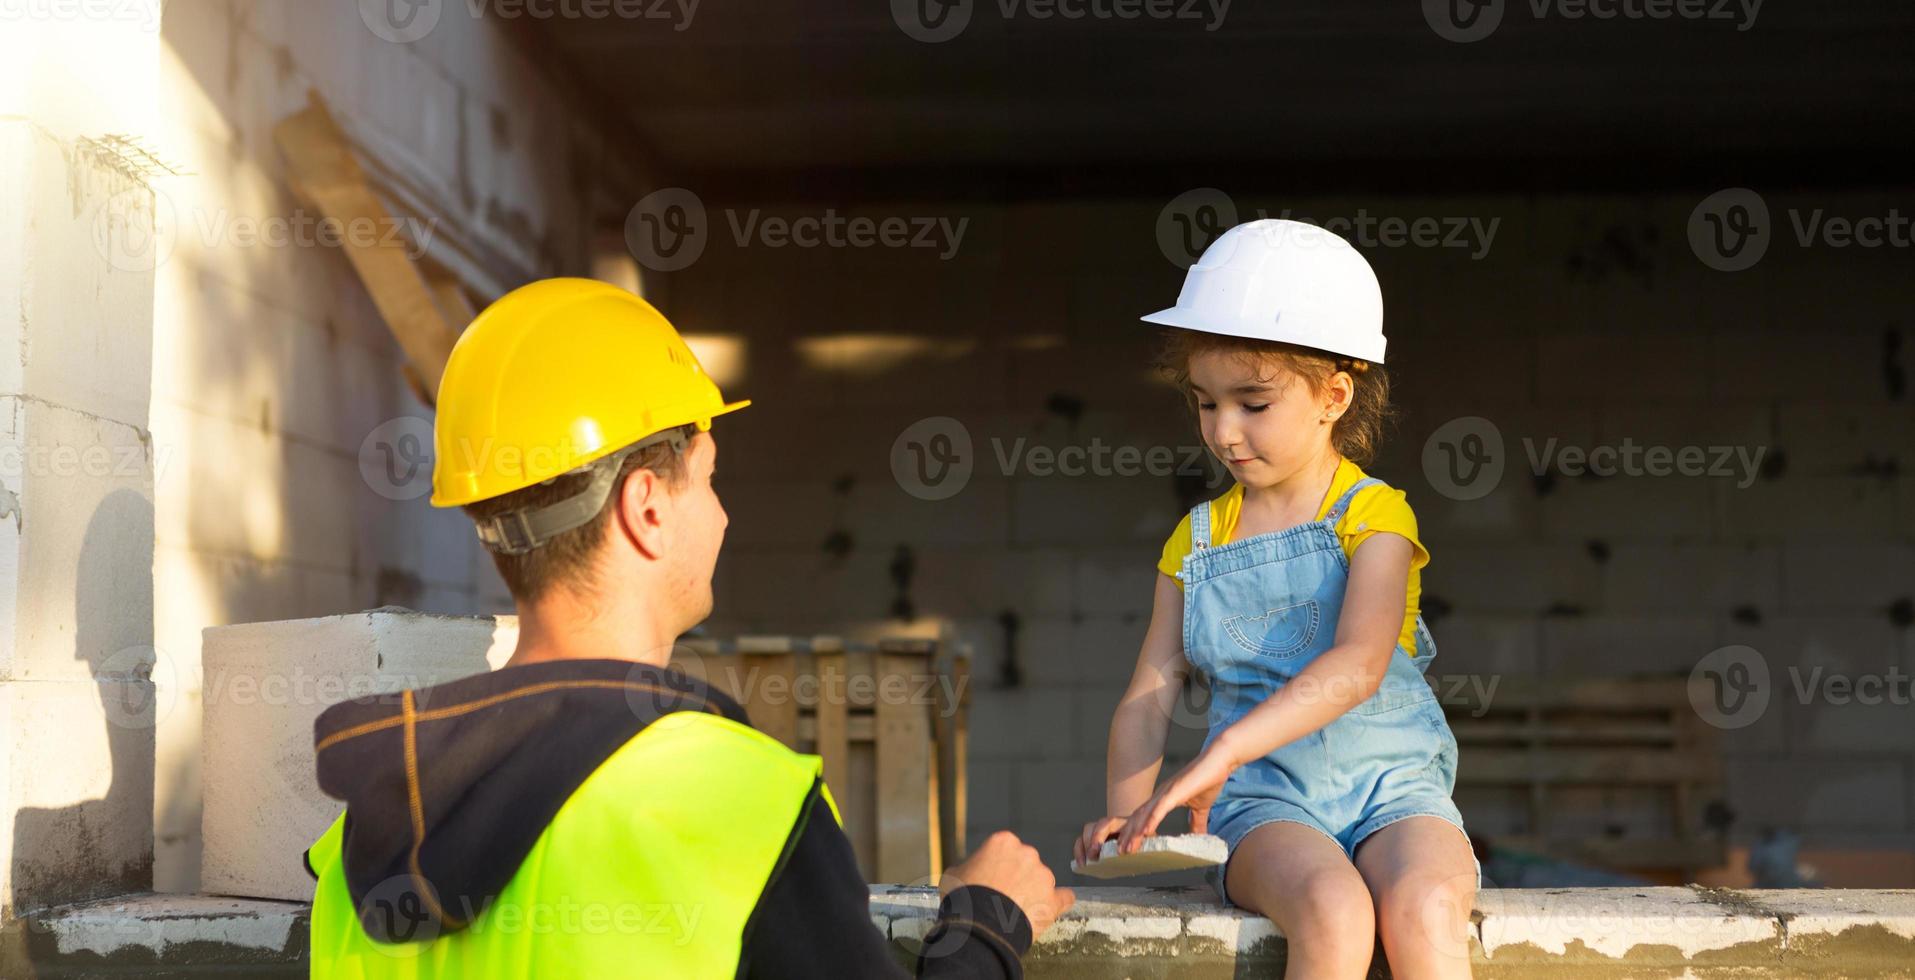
<point>1090,844</point>
<point>1195,786</point>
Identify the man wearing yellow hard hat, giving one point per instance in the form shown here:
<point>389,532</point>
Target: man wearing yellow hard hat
<point>583,811</point>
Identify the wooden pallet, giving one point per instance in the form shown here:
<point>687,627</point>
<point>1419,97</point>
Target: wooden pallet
<point>1555,740</point>
<point>889,720</point>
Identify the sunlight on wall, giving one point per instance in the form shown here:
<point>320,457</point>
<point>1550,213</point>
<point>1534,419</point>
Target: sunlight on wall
<point>722,355</point>
<point>868,354</point>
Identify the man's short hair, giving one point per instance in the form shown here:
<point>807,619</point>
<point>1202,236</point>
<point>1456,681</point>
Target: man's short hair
<point>567,558</point>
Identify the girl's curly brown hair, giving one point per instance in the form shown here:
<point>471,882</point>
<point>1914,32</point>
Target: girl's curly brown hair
<point>1357,433</point>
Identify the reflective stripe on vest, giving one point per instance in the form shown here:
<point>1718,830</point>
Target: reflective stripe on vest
<point>654,865</point>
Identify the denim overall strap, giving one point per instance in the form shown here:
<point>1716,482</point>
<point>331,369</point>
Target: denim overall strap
<point>1343,503</point>
<point>1200,526</point>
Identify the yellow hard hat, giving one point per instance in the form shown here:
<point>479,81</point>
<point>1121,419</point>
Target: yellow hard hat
<point>554,375</point>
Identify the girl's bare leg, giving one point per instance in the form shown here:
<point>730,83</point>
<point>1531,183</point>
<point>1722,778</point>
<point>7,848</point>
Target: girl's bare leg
<point>1424,879</point>
<point>1302,881</point>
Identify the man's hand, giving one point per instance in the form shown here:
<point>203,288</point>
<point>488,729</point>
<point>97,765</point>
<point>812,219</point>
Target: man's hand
<point>1011,866</point>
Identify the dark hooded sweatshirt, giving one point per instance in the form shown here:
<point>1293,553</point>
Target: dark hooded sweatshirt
<point>500,771</point>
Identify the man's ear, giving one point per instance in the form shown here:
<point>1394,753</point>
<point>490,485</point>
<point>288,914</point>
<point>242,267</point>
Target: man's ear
<point>640,512</point>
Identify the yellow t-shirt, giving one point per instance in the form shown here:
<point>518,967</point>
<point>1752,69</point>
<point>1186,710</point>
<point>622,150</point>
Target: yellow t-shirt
<point>1373,509</point>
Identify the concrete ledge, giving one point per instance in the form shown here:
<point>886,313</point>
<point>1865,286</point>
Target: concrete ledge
<point>1585,933</point>
<point>1582,932</point>
<point>159,936</point>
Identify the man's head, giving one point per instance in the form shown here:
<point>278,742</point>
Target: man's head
<point>573,426</point>
<point>660,528</point>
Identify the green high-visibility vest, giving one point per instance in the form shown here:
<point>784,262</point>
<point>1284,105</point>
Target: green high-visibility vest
<point>651,867</point>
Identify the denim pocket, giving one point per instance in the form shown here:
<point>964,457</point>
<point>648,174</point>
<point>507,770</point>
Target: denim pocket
<point>1280,633</point>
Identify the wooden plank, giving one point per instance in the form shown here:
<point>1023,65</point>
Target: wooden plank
<point>831,726</point>
<point>907,779</point>
<point>726,672</point>
<point>1547,730</point>
<point>860,806</point>
<point>1601,694</point>
<point>952,696</point>
<point>454,304</point>
<point>1565,765</point>
<point>861,678</point>
<point>324,170</point>
<point>770,679</point>
<point>762,643</point>
<point>1623,852</point>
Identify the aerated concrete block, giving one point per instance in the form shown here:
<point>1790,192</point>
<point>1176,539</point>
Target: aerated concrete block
<point>1158,854</point>
<point>265,684</point>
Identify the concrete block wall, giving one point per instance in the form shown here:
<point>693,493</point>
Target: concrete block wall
<point>266,685</point>
<point>1588,320</point>
<point>76,467</point>
<point>272,372</point>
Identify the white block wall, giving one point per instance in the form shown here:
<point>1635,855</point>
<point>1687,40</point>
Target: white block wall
<point>76,470</point>
<point>1578,324</point>
<point>270,365</point>
<point>266,684</point>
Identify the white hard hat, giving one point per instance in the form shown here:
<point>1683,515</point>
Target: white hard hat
<point>1287,281</point>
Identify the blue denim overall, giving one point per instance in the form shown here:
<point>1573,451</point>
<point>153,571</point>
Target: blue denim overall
<point>1256,612</point>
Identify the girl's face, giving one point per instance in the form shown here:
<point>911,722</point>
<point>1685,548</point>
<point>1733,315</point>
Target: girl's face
<point>1264,423</point>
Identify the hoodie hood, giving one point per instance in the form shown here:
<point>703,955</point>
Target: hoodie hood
<point>447,788</point>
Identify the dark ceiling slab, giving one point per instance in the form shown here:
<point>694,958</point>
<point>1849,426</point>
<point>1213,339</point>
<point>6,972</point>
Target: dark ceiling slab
<point>808,100</point>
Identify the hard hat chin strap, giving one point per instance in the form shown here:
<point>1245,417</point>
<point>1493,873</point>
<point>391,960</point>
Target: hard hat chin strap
<point>516,532</point>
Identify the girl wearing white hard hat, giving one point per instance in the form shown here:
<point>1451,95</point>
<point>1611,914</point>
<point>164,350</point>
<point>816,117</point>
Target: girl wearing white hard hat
<point>1329,767</point>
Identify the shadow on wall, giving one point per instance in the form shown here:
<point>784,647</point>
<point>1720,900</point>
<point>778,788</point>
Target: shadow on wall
<point>95,847</point>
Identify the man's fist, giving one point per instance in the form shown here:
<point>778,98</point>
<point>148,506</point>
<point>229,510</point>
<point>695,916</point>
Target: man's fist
<point>1011,866</point>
